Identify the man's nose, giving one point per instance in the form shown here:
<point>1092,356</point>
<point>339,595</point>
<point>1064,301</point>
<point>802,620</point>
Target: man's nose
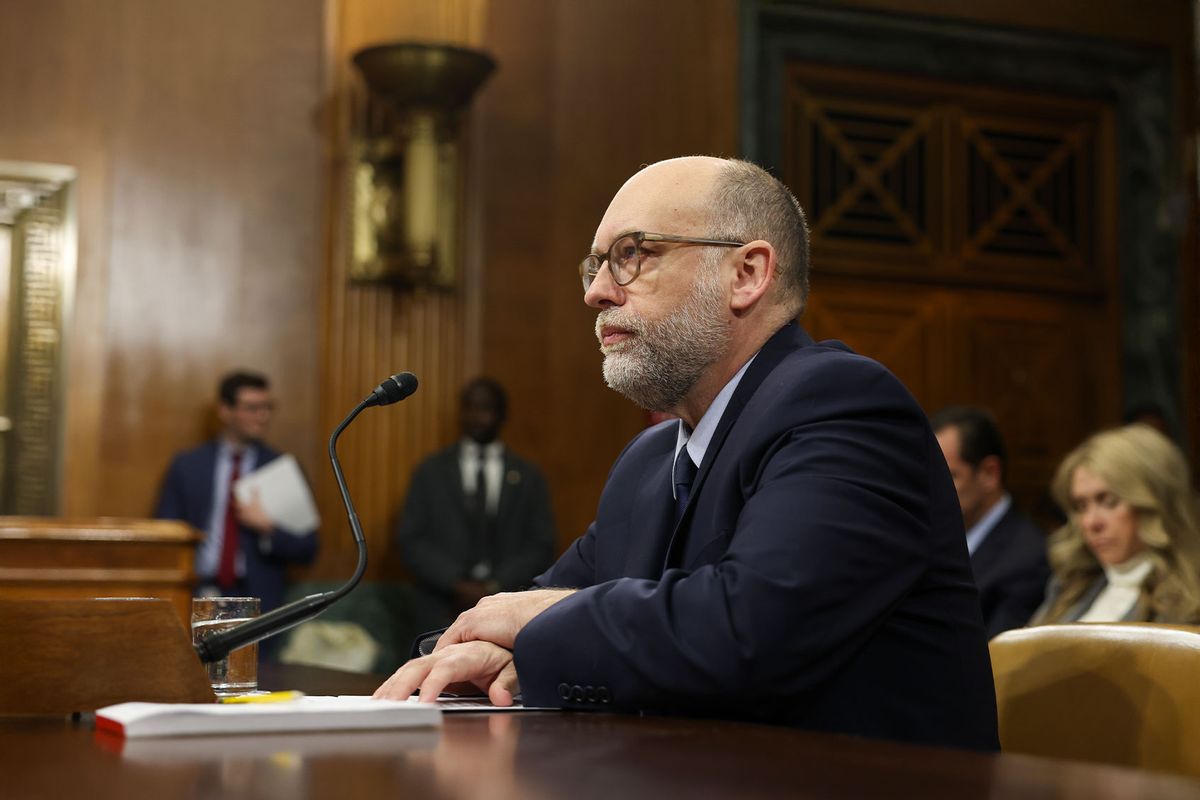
<point>604,291</point>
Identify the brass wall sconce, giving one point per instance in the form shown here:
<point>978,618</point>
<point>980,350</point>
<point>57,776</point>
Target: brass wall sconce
<point>407,162</point>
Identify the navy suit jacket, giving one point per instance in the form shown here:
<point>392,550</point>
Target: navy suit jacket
<point>818,577</point>
<point>1011,572</point>
<point>187,494</point>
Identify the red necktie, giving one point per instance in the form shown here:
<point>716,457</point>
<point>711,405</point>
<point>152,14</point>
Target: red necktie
<point>227,570</point>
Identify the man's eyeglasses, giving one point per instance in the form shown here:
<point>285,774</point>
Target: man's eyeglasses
<point>256,408</point>
<point>625,256</point>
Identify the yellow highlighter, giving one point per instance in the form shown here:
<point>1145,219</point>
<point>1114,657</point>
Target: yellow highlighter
<point>266,697</point>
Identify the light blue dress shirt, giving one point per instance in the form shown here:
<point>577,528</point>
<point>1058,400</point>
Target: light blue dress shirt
<point>208,557</point>
<point>981,529</point>
<point>697,440</point>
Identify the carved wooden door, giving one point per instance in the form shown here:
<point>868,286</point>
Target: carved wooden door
<point>964,237</point>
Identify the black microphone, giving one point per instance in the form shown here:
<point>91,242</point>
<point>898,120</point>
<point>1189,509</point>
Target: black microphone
<point>219,645</point>
<point>393,390</point>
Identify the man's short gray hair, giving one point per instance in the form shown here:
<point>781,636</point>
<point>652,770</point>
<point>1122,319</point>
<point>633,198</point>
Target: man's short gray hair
<point>749,203</point>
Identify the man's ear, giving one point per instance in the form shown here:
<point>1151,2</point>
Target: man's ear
<point>754,268</point>
<point>990,470</point>
<point>224,413</point>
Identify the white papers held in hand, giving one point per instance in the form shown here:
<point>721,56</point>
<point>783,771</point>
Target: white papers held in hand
<point>284,495</point>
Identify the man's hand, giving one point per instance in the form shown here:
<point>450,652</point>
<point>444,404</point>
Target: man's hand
<point>254,516</point>
<point>500,617</point>
<point>479,664</point>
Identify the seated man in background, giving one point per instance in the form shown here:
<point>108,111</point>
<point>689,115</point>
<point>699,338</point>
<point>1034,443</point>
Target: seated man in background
<point>477,519</point>
<point>1008,552</point>
<point>243,553</point>
<point>789,550</point>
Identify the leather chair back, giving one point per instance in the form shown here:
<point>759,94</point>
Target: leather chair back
<point>1125,693</point>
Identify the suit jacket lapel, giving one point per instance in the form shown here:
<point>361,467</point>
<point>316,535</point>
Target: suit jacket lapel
<point>1084,603</point>
<point>783,342</point>
<point>990,551</point>
<point>452,476</point>
<point>208,479</point>
<point>507,490</point>
<point>652,512</point>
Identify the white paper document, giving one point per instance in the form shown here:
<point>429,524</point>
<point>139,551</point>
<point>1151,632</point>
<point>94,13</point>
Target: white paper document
<point>284,495</point>
<point>134,720</point>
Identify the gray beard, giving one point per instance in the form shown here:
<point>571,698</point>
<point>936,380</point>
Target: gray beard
<point>660,364</point>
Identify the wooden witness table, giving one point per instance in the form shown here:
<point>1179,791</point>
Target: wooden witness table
<point>532,756</point>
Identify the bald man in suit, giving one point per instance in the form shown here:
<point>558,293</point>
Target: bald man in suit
<point>790,550</point>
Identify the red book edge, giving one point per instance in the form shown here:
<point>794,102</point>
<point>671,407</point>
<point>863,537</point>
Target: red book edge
<point>109,726</point>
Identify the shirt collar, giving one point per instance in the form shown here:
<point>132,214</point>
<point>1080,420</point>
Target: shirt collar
<point>491,450</point>
<point>981,529</point>
<point>1131,573</point>
<point>698,440</point>
<point>225,449</point>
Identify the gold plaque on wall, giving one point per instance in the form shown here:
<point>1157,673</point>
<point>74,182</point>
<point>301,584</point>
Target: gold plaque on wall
<point>37,232</point>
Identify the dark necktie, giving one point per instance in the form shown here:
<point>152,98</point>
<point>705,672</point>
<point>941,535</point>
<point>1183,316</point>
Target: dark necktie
<point>227,568</point>
<point>685,473</point>
<point>482,543</point>
<point>480,499</point>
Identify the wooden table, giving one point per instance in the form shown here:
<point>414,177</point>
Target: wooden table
<point>532,756</point>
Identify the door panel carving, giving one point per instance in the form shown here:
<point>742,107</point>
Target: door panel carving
<point>955,239</point>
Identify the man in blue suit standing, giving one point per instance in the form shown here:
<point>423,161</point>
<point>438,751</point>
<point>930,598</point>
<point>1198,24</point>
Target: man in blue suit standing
<point>243,553</point>
<point>790,551</point>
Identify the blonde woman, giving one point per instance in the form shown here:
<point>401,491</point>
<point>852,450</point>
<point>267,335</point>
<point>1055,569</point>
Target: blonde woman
<point>1130,550</point>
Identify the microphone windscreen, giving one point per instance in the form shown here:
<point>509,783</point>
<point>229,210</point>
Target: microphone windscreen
<point>394,389</point>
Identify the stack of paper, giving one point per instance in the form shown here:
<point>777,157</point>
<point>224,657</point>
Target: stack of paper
<point>284,494</point>
<point>135,720</point>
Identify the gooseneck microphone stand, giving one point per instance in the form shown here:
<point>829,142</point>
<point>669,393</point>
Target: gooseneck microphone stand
<point>219,645</point>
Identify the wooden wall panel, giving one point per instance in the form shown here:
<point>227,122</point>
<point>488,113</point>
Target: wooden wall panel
<point>216,251</point>
<point>1157,22</point>
<point>198,205</point>
<point>575,110</point>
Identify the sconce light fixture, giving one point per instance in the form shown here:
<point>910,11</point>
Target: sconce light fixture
<point>406,162</point>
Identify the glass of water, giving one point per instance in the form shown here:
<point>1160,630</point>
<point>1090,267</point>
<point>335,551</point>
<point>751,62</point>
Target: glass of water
<point>237,673</point>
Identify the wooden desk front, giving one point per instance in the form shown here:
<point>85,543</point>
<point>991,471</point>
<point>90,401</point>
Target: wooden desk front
<point>533,756</point>
<point>53,558</point>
